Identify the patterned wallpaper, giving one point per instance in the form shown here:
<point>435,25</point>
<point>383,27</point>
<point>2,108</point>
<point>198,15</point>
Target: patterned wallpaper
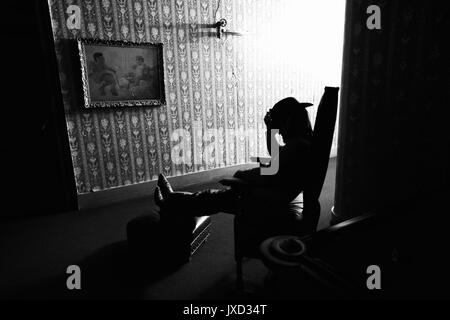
<point>217,90</point>
<point>394,139</point>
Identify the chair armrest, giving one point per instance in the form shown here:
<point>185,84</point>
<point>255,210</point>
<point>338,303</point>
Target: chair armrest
<point>327,275</point>
<point>346,227</point>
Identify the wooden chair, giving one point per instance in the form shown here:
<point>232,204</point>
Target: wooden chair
<point>303,213</point>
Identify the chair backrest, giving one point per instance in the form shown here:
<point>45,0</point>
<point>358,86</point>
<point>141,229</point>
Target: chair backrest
<point>321,145</point>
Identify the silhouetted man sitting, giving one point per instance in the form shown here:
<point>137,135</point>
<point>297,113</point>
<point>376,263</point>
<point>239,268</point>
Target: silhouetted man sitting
<point>291,119</point>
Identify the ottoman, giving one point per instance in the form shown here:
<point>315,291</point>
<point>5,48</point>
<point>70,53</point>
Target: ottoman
<point>168,241</point>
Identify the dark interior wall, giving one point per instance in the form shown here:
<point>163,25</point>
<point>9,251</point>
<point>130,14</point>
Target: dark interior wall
<point>394,142</point>
<point>36,174</point>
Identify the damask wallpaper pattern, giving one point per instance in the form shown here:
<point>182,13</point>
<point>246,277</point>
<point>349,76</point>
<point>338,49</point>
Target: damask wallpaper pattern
<point>217,90</point>
<point>394,139</point>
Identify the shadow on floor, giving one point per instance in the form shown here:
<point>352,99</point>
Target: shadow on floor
<point>116,272</point>
<point>111,272</point>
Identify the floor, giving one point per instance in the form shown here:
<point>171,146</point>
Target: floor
<point>35,253</point>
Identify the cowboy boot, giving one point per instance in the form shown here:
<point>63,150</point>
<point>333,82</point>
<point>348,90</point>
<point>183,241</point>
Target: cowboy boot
<point>164,186</point>
<point>158,197</point>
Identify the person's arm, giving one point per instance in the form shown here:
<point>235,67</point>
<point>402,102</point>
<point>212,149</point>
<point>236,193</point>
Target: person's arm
<point>291,159</point>
<point>254,175</point>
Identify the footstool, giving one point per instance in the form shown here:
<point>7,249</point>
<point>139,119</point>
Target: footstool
<point>170,241</point>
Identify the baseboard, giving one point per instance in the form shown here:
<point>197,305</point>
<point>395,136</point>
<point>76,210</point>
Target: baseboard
<point>116,195</point>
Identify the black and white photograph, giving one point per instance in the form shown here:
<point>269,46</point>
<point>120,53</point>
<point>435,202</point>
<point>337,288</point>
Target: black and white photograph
<point>231,157</point>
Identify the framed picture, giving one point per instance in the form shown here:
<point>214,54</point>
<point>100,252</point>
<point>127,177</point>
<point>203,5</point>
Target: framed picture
<point>119,73</point>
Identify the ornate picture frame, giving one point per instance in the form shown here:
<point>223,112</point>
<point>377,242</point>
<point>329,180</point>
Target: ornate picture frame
<point>121,73</point>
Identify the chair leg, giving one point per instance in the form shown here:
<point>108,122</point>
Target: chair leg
<point>239,276</point>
